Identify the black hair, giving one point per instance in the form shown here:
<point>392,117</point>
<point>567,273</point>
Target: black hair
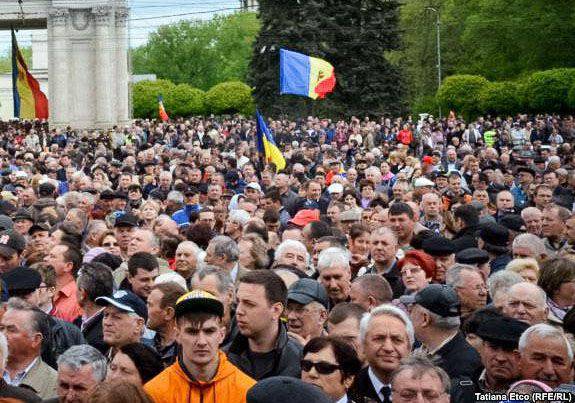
<point>274,286</point>
<point>145,359</point>
<point>399,208</point>
<point>345,355</point>
<point>142,260</point>
<point>468,213</point>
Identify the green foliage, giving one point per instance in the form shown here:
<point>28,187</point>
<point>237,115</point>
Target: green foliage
<point>500,40</point>
<point>337,31</point>
<point>501,99</point>
<point>461,94</point>
<point>183,100</point>
<point>145,97</point>
<point>547,91</point>
<point>571,97</point>
<point>425,104</point>
<point>228,98</point>
<point>201,53</point>
<point>6,60</point>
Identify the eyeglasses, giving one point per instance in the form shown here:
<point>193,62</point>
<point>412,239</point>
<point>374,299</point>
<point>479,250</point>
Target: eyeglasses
<point>322,367</point>
<point>409,395</point>
<point>110,244</point>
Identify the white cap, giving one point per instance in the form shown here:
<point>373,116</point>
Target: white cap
<point>335,188</point>
<point>171,277</point>
<point>422,182</point>
<point>255,186</point>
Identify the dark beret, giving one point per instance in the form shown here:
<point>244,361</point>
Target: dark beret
<point>472,256</point>
<point>438,246</point>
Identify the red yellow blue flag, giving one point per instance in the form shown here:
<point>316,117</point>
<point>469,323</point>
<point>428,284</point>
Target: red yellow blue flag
<point>305,75</point>
<point>29,100</point>
<point>267,145</point>
<point>162,111</point>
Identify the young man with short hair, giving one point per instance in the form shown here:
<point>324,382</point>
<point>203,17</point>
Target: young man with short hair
<point>202,372</point>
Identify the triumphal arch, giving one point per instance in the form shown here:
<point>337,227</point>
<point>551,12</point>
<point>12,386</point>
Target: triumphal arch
<point>87,57</point>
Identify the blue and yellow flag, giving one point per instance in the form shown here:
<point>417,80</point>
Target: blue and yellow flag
<point>267,146</point>
<point>305,75</point>
<point>29,101</point>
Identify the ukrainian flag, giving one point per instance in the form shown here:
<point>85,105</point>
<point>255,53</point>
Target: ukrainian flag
<point>305,75</point>
<point>29,101</point>
<point>267,146</point>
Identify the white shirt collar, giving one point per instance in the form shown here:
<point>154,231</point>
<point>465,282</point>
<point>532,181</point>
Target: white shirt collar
<point>234,272</point>
<point>377,384</point>
<point>343,399</point>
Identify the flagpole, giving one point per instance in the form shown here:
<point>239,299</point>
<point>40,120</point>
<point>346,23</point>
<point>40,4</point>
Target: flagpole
<point>15,74</point>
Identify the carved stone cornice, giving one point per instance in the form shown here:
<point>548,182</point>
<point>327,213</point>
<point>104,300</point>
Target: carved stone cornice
<point>102,15</point>
<point>122,14</point>
<point>59,16</point>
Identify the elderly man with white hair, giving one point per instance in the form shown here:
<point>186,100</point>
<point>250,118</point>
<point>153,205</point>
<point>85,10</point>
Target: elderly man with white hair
<point>526,302</point>
<point>335,274</point>
<point>292,253</point>
<point>546,355</point>
<point>533,219</point>
<point>387,336</point>
<point>528,245</point>
<point>234,225</point>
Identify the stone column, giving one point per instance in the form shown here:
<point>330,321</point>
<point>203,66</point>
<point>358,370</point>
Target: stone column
<point>104,74</point>
<point>58,65</point>
<point>122,66</point>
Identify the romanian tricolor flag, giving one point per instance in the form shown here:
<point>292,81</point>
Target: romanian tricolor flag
<point>305,75</point>
<point>29,101</point>
<point>267,145</point>
<point>162,111</point>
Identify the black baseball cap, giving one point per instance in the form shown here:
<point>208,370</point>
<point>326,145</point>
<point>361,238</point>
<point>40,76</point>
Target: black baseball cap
<point>11,242</point>
<point>199,301</point>
<point>306,290</point>
<point>440,299</point>
<point>126,220</point>
<point>125,301</point>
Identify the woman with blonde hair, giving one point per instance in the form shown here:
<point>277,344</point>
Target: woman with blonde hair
<point>527,268</point>
<point>149,211</point>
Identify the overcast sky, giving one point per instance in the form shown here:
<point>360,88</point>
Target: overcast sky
<point>146,16</point>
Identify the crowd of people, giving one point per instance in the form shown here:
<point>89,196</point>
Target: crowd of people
<point>391,260</point>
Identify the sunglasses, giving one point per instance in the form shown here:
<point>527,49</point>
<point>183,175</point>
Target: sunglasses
<point>110,244</point>
<point>322,367</point>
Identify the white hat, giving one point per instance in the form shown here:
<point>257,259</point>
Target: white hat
<point>422,182</point>
<point>335,188</point>
<point>171,277</point>
<point>255,186</point>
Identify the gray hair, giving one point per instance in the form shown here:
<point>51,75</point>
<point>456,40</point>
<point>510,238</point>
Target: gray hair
<point>540,294</point>
<point>389,310</point>
<point>84,354</point>
<point>225,282</point>
<point>420,364</point>
<point>531,242</point>
<point>440,322</point>
<point>333,256</point>
<point>152,238</point>
<point>501,281</point>
<point>239,216</point>
<point>385,231</point>
<point>175,196</point>
<point>453,274</point>
<point>3,351</point>
<point>289,244</point>
<point>544,330</point>
<point>226,246</point>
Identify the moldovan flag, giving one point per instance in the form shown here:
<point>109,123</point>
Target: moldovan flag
<point>29,101</point>
<point>162,111</point>
<point>267,145</point>
<point>305,75</point>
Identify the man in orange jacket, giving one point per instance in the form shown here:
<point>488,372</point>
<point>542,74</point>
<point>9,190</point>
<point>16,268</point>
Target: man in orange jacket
<point>202,373</point>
